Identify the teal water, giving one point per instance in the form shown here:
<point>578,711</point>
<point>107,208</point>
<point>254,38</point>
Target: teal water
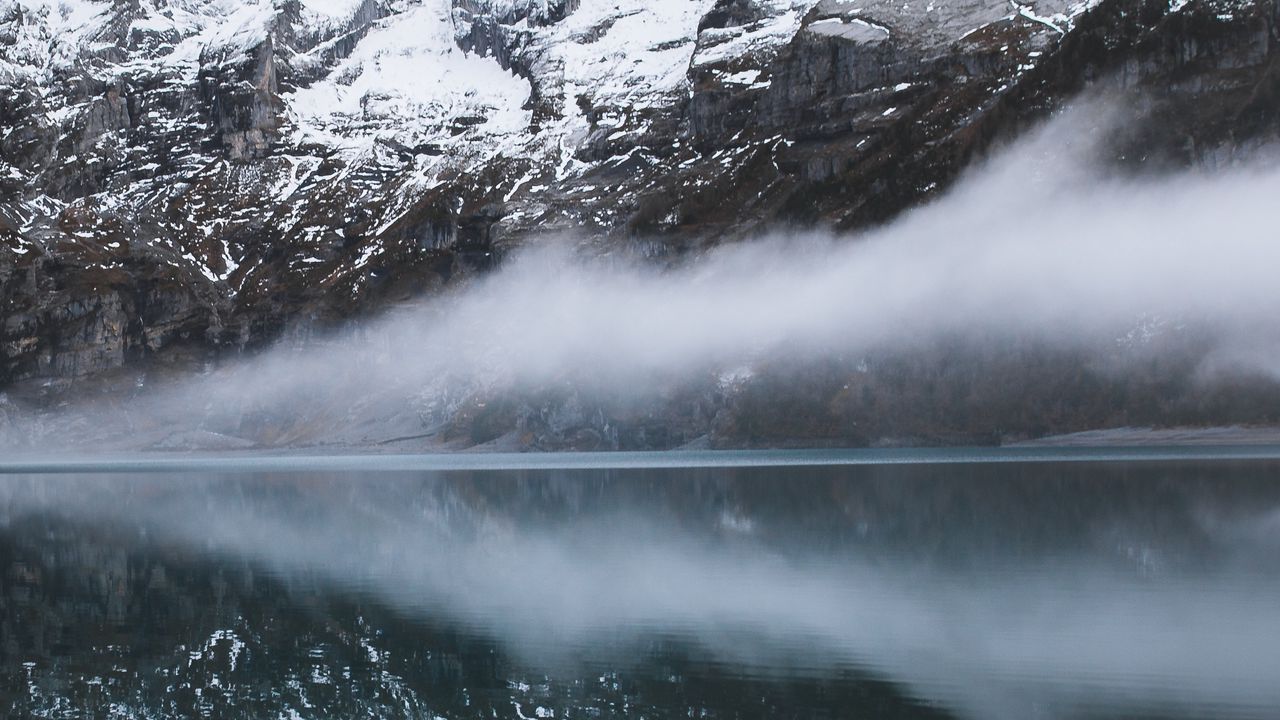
<point>357,463</point>
<point>1036,583</point>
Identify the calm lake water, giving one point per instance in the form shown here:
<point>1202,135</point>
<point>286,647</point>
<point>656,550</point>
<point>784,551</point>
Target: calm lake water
<point>931,584</point>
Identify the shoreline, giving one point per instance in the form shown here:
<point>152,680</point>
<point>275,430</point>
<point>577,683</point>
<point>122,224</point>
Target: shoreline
<point>1063,449</point>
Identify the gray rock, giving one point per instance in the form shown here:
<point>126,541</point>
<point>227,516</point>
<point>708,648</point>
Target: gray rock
<point>163,207</point>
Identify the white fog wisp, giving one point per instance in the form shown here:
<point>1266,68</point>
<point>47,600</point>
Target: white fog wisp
<point>1033,244</point>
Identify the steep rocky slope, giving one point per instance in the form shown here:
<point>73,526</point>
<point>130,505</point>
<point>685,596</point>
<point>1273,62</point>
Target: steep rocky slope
<point>183,178</point>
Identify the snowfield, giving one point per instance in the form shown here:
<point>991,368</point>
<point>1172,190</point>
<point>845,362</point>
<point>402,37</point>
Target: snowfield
<point>408,77</point>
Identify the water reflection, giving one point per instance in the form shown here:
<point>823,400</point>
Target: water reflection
<point>975,591</point>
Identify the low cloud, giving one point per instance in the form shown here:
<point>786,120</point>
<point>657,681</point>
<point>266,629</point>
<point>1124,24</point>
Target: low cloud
<point>1035,245</point>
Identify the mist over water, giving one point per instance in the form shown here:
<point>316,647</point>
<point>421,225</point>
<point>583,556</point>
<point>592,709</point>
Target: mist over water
<point>1134,590</point>
<point>1035,246</point>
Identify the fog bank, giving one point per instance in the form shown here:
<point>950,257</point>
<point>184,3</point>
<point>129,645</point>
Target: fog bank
<point>1034,245</point>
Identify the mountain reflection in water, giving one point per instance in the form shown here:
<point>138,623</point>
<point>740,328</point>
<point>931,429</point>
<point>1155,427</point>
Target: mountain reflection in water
<point>1024,590</point>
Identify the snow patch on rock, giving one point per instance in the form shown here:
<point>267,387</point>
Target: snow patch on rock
<point>407,78</point>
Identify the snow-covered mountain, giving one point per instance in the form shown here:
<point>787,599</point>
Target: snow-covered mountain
<point>179,177</point>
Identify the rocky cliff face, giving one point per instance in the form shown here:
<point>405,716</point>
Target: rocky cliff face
<point>183,178</point>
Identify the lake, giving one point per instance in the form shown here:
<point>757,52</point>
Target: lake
<point>1020,584</point>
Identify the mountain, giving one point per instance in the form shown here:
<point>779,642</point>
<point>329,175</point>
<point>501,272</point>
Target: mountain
<point>185,179</point>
